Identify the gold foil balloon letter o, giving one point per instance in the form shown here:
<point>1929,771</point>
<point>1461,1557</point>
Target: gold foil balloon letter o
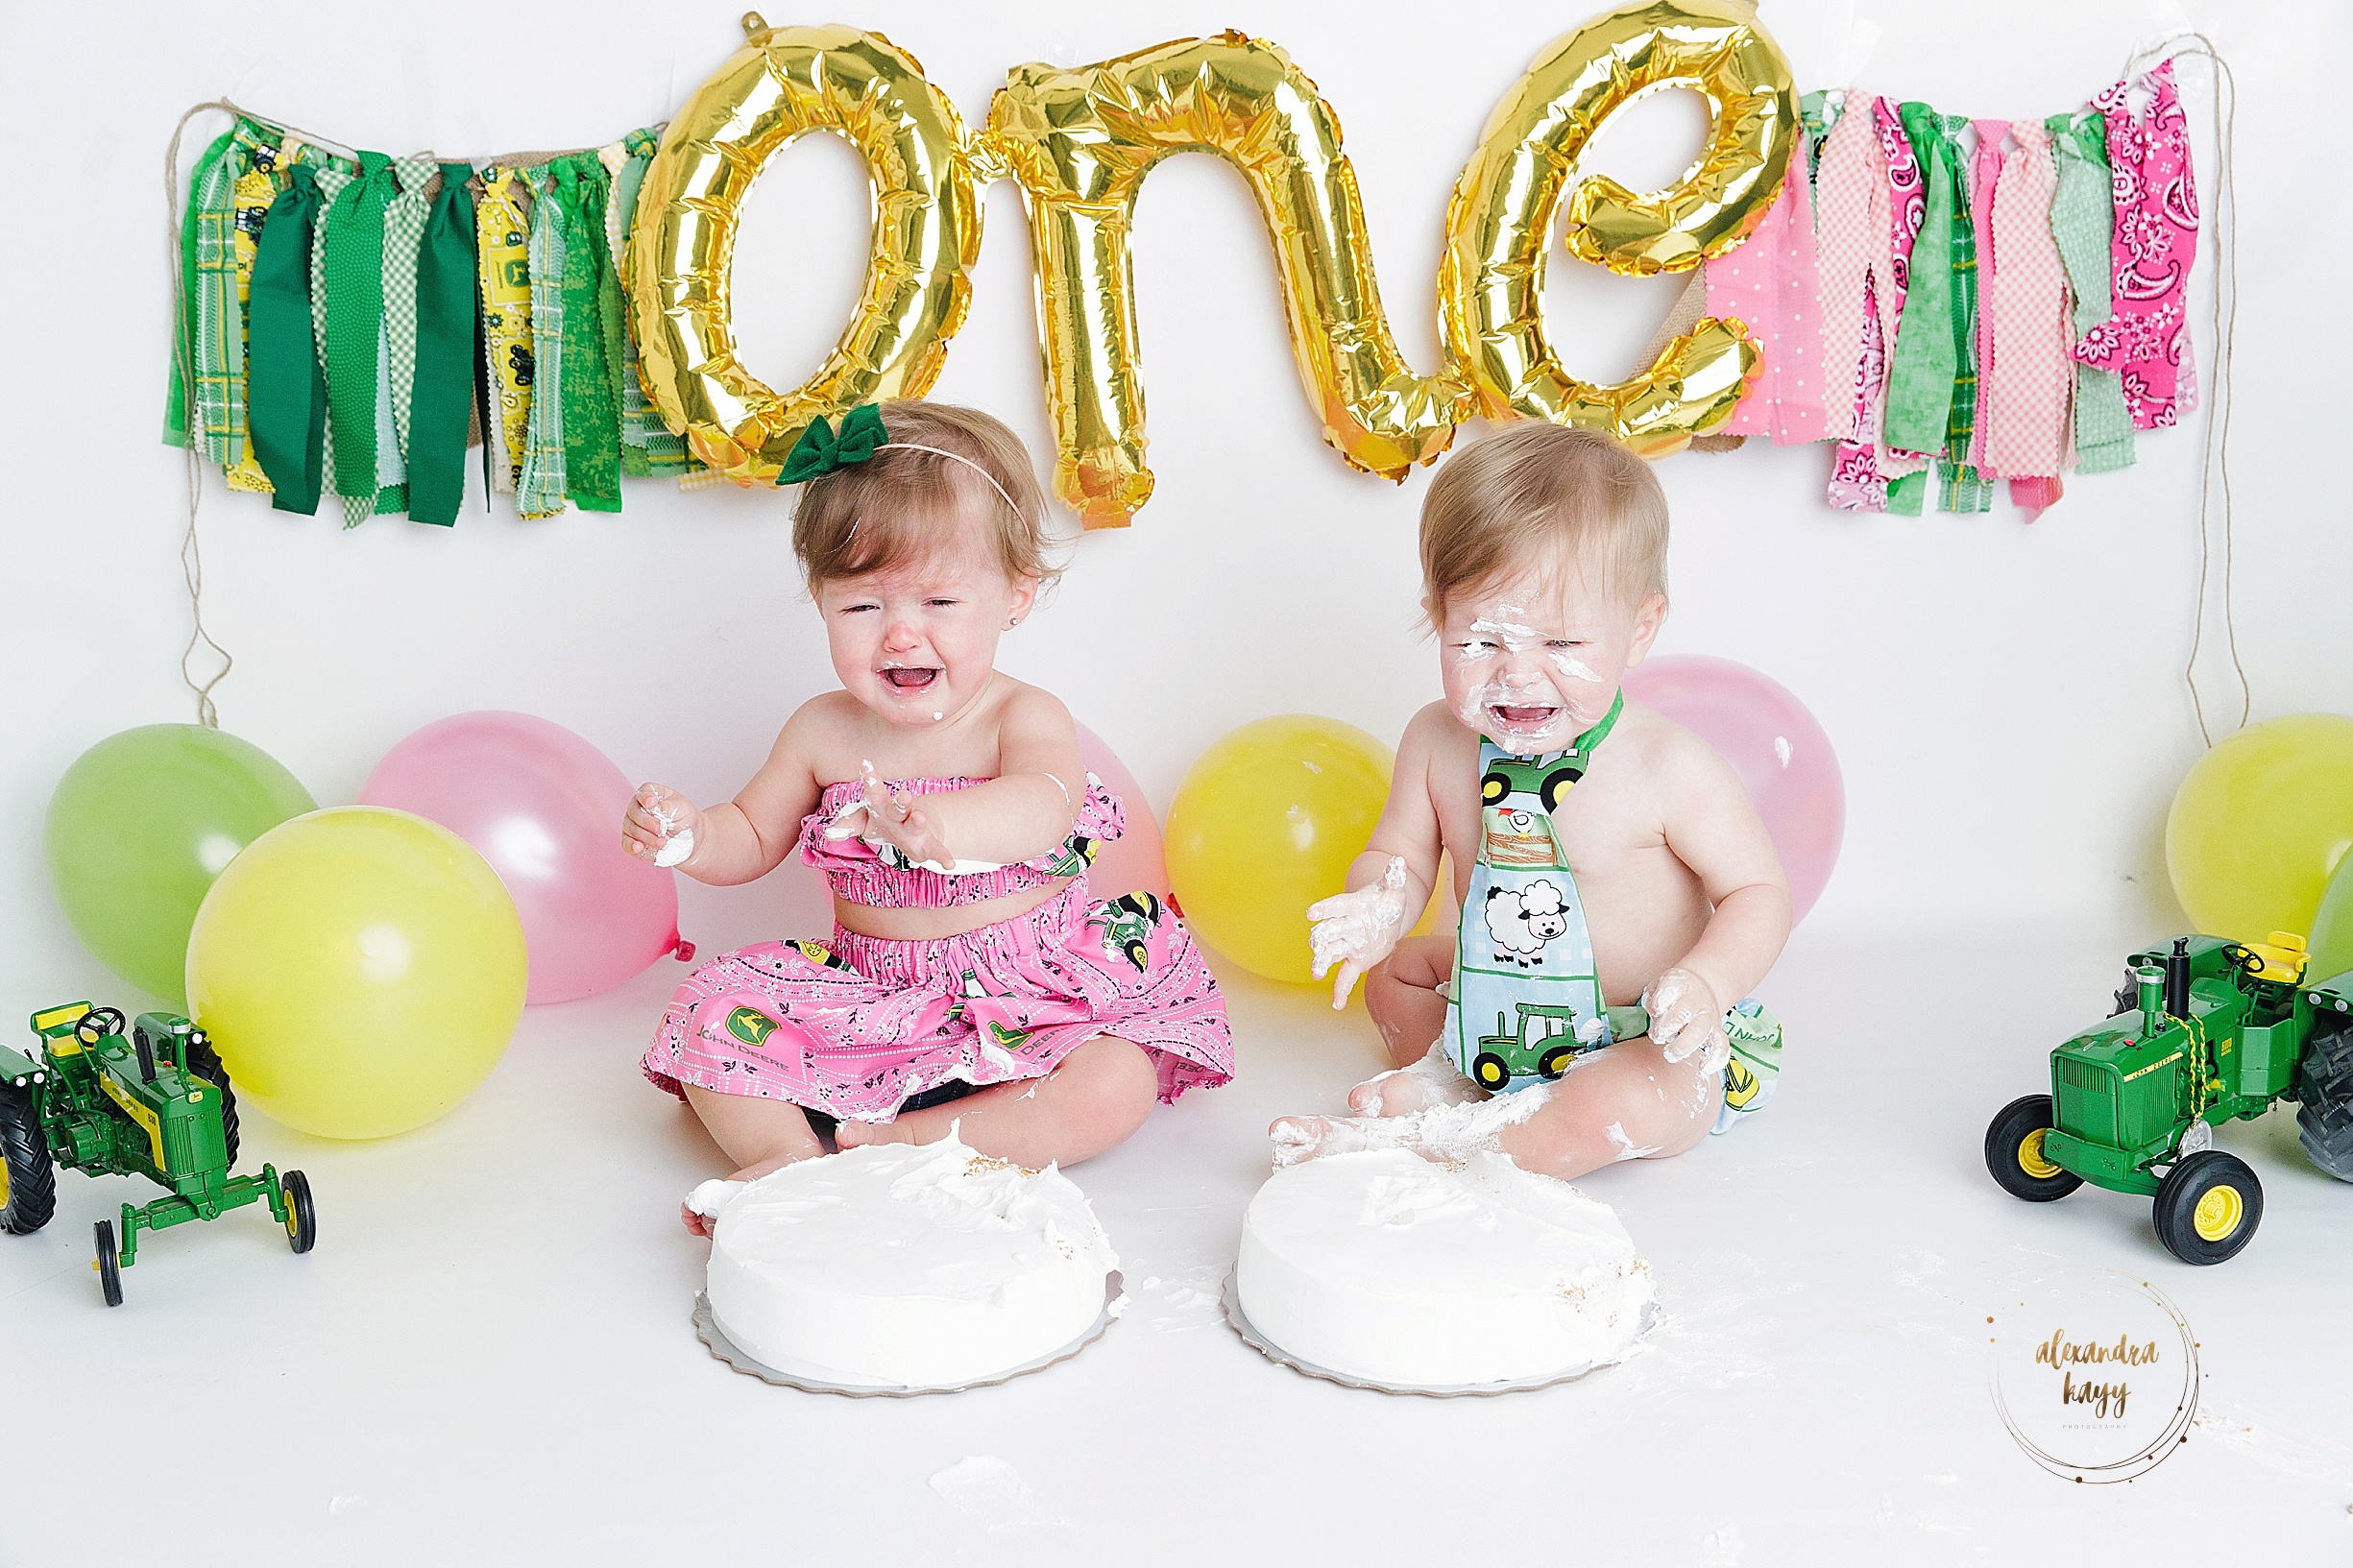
<point>1080,142</point>
<point>1525,171</point>
<point>785,82</point>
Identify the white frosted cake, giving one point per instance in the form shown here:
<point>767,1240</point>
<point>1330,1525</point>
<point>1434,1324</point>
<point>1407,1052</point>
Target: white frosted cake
<point>1384,1266</point>
<point>895,1265</point>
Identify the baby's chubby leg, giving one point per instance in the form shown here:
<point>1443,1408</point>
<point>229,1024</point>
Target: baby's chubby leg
<point>1402,996</point>
<point>1093,1099</point>
<point>1625,1101</point>
<point>760,1135</point>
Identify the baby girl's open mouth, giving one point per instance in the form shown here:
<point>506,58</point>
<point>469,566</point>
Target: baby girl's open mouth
<point>910,678</point>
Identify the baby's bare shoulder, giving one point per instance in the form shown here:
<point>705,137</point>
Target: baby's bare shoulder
<point>1670,763</point>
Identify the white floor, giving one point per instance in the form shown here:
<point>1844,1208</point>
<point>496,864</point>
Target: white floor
<point>489,1360</point>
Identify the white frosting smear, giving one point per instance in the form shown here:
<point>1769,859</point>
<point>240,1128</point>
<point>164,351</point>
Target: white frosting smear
<point>1382,1265</point>
<point>991,1494</point>
<point>906,1266</point>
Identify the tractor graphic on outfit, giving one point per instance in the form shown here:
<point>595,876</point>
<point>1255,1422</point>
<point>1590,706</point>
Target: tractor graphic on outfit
<point>2202,1034</point>
<point>148,1098</point>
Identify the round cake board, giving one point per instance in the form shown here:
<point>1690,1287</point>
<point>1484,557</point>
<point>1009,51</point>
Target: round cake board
<point>708,1330</point>
<point>1239,1321</point>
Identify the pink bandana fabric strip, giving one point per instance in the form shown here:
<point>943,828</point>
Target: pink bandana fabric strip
<point>2146,339</point>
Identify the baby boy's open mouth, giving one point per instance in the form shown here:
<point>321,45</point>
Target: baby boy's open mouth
<point>910,679</point>
<point>1524,719</point>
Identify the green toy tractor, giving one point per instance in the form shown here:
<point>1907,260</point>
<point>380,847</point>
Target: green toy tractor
<point>151,1101</point>
<point>2204,1033</point>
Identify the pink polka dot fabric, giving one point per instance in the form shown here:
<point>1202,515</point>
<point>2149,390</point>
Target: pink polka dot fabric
<point>1769,282</point>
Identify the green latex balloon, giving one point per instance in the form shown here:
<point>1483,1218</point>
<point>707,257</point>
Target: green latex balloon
<point>2331,928</point>
<point>141,826</point>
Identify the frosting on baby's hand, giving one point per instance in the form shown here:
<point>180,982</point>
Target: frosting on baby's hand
<point>1356,930</point>
<point>1687,1020</point>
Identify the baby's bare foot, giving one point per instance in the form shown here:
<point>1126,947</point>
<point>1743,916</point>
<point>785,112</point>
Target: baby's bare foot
<point>1405,1090</point>
<point>703,1205</point>
<point>849,1134</point>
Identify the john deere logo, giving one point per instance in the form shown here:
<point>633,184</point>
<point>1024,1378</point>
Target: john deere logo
<point>750,1025</point>
<point>2094,1374</point>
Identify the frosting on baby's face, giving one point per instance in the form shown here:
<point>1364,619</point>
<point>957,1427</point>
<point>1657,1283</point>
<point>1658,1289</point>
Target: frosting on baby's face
<point>917,642</point>
<point>1532,660</point>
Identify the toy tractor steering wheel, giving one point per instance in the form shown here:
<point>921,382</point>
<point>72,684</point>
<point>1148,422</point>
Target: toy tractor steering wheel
<point>2245,957</point>
<point>97,1024</point>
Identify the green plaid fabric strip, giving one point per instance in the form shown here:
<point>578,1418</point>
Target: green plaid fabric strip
<point>1960,487</point>
<point>647,446</point>
<point>403,231</point>
<point>539,493</point>
<point>2083,221</point>
<point>200,183</point>
<point>213,331</point>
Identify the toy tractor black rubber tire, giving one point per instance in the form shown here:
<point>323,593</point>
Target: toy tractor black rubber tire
<point>32,1185</point>
<point>1489,1072</point>
<point>2324,1123</point>
<point>2020,1124</point>
<point>109,1264</point>
<point>301,1218</point>
<point>2187,1197</point>
<point>199,1058</point>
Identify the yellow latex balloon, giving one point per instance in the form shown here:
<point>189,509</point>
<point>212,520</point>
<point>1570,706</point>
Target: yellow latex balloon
<point>785,82</point>
<point>1264,824</point>
<point>1081,142</point>
<point>360,970</point>
<point>1526,170</point>
<point>2260,825</point>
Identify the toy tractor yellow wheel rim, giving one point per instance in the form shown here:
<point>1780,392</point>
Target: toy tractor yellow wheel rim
<point>3,1184</point>
<point>294,1221</point>
<point>2218,1213</point>
<point>2031,1158</point>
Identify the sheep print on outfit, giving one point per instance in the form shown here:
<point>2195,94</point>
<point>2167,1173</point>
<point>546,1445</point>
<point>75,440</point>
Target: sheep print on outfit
<point>1523,955</point>
<point>854,1028</point>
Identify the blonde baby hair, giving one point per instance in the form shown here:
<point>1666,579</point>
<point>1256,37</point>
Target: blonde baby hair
<point>1544,496</point>
<point>939,463</point>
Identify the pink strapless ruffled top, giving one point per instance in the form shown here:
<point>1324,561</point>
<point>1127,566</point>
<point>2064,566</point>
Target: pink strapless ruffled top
<point>883,879</point>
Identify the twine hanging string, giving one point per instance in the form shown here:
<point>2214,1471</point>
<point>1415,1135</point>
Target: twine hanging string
<point>191,551</point>
<point>2215,469</point>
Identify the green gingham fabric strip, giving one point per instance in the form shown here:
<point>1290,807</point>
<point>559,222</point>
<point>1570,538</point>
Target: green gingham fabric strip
<point>403,231</point>
<point>351,276</point>
<point>332,183</point>
<point>539,493</point>
<point>2082,220</point>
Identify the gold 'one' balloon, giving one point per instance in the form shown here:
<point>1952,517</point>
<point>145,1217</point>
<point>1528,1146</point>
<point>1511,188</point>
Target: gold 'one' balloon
<point>1525,171</point>
<point>784,82</point>
<point>1080,142</point>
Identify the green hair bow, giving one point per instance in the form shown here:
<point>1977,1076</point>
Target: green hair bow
<point>820,451</point>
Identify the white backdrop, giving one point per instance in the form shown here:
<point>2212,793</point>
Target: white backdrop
<point>2006,700</point>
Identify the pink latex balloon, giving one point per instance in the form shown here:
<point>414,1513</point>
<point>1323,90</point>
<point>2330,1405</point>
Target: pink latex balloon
<point>544,808</point>
<point>1773,744</point>
<point>1137,858</point>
